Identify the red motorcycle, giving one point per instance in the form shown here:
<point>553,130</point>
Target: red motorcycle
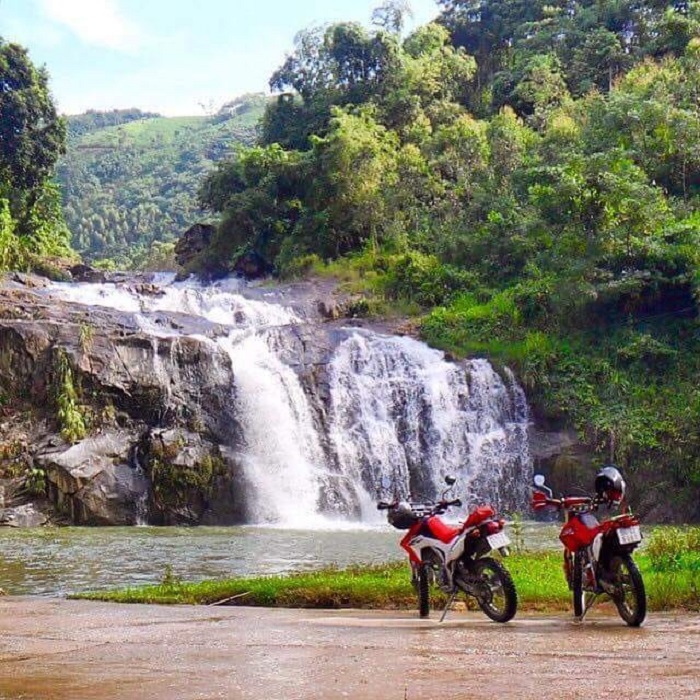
<point>455,557</point>
<point>598,555</point>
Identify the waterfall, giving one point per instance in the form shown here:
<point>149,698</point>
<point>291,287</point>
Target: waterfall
<point>280,450</point>
<point>317,445</point>
<point>399,409</point>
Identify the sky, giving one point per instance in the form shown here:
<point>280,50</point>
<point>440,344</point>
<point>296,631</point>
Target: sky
<point>175,57</point>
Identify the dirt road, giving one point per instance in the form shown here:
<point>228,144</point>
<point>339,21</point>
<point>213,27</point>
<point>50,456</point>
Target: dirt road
<point>61,649</point>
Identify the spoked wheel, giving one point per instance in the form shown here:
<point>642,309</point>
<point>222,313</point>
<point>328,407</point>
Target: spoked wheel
<point>584,597</point>
<point>630,596</point>
<point>497,596</point>
<point>424,575</point>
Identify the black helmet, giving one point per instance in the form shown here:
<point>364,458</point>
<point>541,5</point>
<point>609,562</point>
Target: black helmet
<point>609,484</point>
<point>402,516</point>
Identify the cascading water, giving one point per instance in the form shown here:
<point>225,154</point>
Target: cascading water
<point>281,451</point>
<point>391,406</point>
<point>399,410</point>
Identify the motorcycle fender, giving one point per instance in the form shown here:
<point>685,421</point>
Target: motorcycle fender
<point>457,549</point>
<point>417,544</point>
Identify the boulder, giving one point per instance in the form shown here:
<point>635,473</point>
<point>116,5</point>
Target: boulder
<point>86,273</point>
<point>95,481</point>
<point>187,472</point>
<point>252,266</point>
<point>195,240</point>
<point>329,309</point>
<point>27,515</point>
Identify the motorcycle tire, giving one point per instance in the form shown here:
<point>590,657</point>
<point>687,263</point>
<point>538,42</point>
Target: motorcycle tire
<point>424,590</point>
<point>498,579</point>
<point>577,585</point>
<point>632,601</point>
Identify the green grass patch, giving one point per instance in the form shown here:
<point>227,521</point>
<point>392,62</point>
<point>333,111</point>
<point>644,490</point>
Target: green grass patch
<point>538,577</point>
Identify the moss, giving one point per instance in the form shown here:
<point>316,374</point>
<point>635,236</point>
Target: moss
<point>176,485</point>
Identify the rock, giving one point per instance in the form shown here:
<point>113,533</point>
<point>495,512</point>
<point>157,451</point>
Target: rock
<point>86,273</point>
<point>149,289</point>
<point>329,309</point>
<point>195,240</point>
<point>187,472</point>
<point>95,481</point>
<point>252,266</point>
<point>23,516</point>
<point>31,281</point>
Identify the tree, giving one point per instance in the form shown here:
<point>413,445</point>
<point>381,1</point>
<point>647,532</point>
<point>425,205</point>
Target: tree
<point>31,132</point>
<point>391,15</point>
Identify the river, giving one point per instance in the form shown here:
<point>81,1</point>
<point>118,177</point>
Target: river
<point>60,561</point>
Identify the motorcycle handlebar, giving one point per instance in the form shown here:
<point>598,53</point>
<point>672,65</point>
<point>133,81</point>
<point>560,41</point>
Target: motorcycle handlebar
<point>383,505</point>
<point>568,501</point>
<point>442,505</point>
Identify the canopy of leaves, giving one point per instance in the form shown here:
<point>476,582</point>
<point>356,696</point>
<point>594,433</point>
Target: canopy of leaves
<point>31,139</point>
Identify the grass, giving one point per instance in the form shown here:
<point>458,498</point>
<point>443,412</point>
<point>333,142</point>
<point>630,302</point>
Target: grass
<point>538,577</point>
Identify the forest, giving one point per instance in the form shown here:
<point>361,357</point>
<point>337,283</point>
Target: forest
<point>520,177</point>
<point>129,179</point>
<point>32,138</point>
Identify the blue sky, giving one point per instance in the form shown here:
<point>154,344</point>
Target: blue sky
<point>171,56</point>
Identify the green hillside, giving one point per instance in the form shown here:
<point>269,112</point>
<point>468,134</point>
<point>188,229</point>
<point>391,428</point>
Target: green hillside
<point>130,179</point>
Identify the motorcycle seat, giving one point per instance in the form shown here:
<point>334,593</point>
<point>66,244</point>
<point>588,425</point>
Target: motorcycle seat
<point>444,532</point>
<point>479,515</point>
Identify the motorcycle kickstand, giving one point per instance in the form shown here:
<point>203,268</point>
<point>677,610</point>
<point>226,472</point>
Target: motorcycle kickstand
<point>448,605</point>
<point>588,607</point>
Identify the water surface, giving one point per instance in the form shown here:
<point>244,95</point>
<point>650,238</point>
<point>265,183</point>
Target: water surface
<point>59,561</point>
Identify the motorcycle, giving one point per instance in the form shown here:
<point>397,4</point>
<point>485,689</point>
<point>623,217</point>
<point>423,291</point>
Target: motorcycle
<point>455,557</point>
<point>598,555</point>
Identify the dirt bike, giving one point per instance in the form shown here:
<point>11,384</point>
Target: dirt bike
<point>598,555</point>
<point>455,557</point>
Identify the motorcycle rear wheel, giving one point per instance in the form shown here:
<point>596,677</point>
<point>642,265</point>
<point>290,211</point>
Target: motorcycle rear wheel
<point>501,600</point>
<point>631,599</point>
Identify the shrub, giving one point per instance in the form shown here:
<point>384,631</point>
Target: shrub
<point>69,413</point>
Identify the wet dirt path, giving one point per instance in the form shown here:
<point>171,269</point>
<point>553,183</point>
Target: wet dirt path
<point>57,649</point>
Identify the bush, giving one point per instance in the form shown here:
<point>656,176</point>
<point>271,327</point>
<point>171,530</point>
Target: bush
<point>299,266</point>
<point>670,547</point>
<point>425,280</point>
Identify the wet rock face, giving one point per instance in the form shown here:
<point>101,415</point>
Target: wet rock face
<point>128,384</point>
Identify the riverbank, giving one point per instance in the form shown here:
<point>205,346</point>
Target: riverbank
<point>672,583</point>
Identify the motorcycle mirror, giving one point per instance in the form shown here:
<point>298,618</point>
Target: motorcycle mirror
<point>539,479</point>
<point>450,480</point>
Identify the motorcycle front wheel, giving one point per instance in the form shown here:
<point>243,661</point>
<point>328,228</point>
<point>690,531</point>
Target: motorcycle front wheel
<point>577,586</point>
<point>497,598</point>
<point>423,574</point>
<point>630,596</point>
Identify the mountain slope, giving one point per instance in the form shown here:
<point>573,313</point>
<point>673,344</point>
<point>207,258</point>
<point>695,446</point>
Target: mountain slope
<point>126,185</point>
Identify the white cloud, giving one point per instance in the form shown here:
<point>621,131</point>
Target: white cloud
<point>96,22</point>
